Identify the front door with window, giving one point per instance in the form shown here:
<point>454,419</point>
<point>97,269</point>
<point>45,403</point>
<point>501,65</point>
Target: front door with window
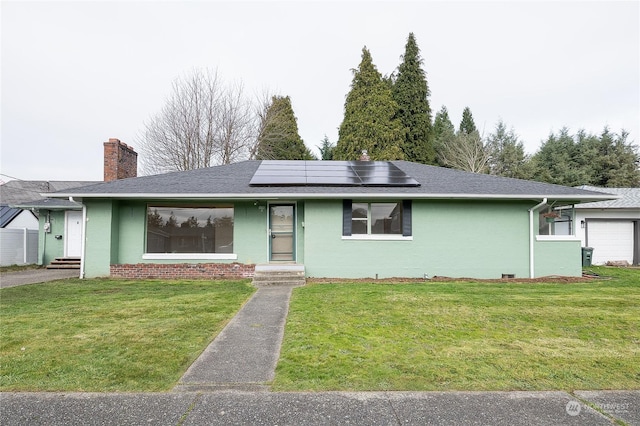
<point>282,232</point>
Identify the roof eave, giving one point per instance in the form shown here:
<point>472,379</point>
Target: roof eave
<point>293,195</point>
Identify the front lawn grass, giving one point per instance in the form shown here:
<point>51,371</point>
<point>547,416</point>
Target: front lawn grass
<point>110,335</point>
<point>464,336</point>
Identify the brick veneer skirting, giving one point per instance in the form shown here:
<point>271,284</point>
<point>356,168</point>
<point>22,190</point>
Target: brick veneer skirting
<point>183,270</point>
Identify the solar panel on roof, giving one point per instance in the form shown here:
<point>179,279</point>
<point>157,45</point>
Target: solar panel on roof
<point>330,173</point>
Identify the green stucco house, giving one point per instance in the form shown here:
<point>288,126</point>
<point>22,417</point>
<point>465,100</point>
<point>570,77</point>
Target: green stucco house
<point>340,219</point>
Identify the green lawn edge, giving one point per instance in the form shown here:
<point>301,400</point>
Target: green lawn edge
<point>122,336</point>
<point>472,336</point>
<point>104,335</point>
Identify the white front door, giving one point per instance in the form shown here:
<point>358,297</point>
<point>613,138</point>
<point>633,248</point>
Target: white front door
<point>73,234</point>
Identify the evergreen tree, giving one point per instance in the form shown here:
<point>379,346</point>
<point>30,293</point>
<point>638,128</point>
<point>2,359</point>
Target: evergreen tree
<point>326,149</point>
<point>443,130</point>
<point>369,117</point>
<point>411,93</point>
<point>559,161</point>
<point>607,160</point>
<point>506,154</point>
<point>617,161</point>
<point>442,124</point>
<point>467,125</point>
<point>279,138</point>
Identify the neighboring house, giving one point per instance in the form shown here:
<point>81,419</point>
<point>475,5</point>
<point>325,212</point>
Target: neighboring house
<point>20,201</point>
<point>18,236</point>
<point>339,219</point>
<point>13,218</point>
<point>61,221</point>
<point>611,228</point>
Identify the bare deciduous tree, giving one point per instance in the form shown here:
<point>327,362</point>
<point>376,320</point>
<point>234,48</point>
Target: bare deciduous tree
<point>464,152</point>
<point>203,122</point>
<point>236,132</point>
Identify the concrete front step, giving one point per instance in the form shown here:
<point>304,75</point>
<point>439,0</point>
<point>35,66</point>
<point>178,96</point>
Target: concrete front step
<point>65,263</point>
<point>63,266</point>
<point>290,275</point>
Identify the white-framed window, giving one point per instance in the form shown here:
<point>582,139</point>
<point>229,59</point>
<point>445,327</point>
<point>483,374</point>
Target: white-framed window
<point>378,218</point>
<point>556,221</point>
<point>189,230</point>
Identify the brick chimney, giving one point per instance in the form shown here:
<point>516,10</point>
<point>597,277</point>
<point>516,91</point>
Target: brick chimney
<point>120,160</point>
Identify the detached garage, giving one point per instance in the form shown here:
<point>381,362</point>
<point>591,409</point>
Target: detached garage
<point>612,227</point>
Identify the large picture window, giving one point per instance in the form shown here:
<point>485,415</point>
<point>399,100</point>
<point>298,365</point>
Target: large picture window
<point>189,229</point>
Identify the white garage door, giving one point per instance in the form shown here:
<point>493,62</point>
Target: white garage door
<point>611,240</point>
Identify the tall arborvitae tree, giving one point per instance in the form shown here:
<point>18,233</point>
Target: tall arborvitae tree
<point>467,125</point>
<point>411,93</point>
<point>279,138</point>
<point>369,117</point>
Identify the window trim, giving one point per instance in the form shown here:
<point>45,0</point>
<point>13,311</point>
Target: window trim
<point>190,256</point>
<point>557,238</point>
<point>377,237</point>
<point>563,212</point>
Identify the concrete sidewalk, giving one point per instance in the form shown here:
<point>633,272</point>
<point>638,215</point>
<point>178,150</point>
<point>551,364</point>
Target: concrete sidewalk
<point>244,355</point>
<point>323,408</point>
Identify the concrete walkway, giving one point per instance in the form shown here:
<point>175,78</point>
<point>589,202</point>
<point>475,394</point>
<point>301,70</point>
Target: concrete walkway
<point>244,355</point>
<point>322,408</point>
<point>35,276</point>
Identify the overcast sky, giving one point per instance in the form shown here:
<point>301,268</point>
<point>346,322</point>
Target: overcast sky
<point>77,73</point>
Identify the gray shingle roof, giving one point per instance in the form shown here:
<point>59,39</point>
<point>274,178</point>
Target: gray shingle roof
<point>21,191</point>
<point>231,181</point>
<point>50,204</point>
<point>630,198</point>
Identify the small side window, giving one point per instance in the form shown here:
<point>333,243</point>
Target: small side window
<point>556,221</point>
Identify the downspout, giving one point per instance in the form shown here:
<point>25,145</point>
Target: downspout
<point>532,237</point>
<point>83,246</point>
<point>41,258</point>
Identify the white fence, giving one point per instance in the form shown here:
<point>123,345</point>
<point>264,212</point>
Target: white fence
<point>18,246</point>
